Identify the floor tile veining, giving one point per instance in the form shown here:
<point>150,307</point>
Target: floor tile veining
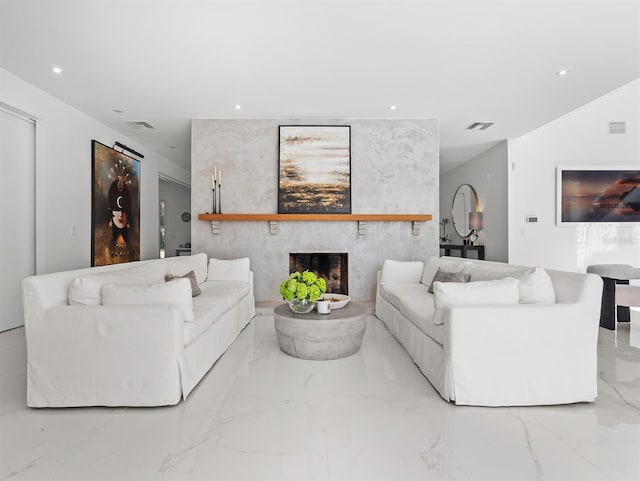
<point>262,415</point>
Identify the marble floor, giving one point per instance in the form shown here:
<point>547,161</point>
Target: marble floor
<point>260,414</point>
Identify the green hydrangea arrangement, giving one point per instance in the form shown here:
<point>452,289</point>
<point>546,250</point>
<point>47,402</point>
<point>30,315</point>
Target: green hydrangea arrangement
<point>303,286</point>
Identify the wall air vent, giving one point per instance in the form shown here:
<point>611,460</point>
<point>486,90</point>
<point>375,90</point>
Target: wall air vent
<point>139,124</point>
<point>480,125</point>
<point>617,127</point>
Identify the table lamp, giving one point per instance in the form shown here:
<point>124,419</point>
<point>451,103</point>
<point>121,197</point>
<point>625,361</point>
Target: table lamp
<point>475,224</point>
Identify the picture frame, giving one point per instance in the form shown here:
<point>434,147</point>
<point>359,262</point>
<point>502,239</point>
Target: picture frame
<point>602,194</point>
<point>314,169</point>
<point>115,206</point>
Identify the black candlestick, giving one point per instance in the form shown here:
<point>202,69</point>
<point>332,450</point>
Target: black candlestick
<point>219,198</point>
<point>214,200</point>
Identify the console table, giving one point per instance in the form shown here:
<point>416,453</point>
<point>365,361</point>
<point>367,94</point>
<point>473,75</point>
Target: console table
<point>464,249</point>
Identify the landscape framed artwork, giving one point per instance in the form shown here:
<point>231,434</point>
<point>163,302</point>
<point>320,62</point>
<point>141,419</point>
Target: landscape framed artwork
<point>314,169</point>
<point>115,206</point>
<point>597,194</point>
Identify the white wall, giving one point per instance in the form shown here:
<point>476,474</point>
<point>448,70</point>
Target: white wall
<point>178,200</point>
<point>487,173</point>
<point>579,138</point>
<point>63,177</point>
<point>394,170</point>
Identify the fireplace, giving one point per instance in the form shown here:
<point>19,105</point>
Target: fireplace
<point>332,266</point>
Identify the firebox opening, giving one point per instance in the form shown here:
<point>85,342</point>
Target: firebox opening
<point>332,266</point>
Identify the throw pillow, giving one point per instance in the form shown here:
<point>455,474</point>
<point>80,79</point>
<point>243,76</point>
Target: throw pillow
<point>180,265</point>
<point>444,276</point>
<point>177,293</point>
<point>536,287</point>
<point>434,263</point>
<point>195,289</point>
<point>86,289</point>
<point>445,295</point>
<point>401,271</point>
<point>229,270</point>
<point>535,284</point>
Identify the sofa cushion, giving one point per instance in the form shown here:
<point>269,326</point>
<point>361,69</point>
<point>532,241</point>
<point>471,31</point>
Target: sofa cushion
<point>420,311</point>
<point>177,293</point>
<point>444,276</point>
<point>191,276</point>
<point>217,298</point>
<point>445,295</point>
<point>180,265</point>
<point>86,290</point>
<point>401,271</point>
<point>535,284</point>
<point>398,292</point>
<point>236,270</point>
<point>416,304</point>
<point>434,263</point>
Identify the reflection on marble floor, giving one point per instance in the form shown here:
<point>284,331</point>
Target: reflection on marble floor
<point>260,414</point>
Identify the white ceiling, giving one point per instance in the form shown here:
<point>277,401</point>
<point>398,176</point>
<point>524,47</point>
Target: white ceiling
<point>167,62</point>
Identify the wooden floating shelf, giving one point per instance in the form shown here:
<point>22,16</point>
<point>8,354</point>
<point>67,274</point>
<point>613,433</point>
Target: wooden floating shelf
<point>318,217</point>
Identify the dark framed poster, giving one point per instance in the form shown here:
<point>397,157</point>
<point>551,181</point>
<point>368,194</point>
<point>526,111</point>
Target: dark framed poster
<point>314,169</point>
<point>597,194</point>
<point>115,206</point>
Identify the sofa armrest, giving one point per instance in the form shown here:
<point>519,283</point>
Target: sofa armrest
<point>518,348</point>
<point>80,355</point>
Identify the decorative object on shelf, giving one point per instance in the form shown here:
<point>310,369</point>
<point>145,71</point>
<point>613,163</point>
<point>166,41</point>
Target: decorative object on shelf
<point>444,238</point>
<point>338,301</point>
<point>216,187</point>
<point>186,216</point>
<point>475,224</point>
<point>302,290</point>
<point>314,169</point>
<point>115,206</point>
<point>597,194</point>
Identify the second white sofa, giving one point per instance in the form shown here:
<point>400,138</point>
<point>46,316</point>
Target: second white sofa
<point>120,336</point>
<point>488,345</point>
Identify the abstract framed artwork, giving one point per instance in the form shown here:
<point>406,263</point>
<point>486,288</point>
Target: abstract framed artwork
<point>597,194</point>
<point>115,206</point>
<point>314,169</point>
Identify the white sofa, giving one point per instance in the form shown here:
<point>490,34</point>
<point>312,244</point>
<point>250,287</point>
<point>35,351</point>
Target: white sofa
<point>148,347</point>
<point>490,354</point>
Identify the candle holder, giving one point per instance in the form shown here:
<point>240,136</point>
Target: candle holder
<point>214,201</point>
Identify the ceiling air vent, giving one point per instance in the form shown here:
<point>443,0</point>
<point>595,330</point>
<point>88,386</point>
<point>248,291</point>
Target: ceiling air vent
<point>617,127</point>
<point>139,124</point>
<point>480,126</point>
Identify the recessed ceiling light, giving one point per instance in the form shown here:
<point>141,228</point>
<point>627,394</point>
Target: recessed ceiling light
<point>393,107</point>
<point>118,111</point>
<point>56,70</point>
<point>562,73</point>
<point>480,125</point>
<point>237,107</point>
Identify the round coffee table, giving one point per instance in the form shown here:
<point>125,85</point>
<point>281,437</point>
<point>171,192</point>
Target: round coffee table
<point>320,337</point>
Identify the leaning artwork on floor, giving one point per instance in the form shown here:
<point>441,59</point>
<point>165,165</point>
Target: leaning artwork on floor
<point>598,194</point>
<point>115,207</point>
<point>314,169</point>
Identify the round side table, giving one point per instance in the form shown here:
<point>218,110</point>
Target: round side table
<point>320,337</point>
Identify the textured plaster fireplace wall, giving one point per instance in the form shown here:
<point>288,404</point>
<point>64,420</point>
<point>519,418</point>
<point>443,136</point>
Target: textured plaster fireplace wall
<point>394,170</point>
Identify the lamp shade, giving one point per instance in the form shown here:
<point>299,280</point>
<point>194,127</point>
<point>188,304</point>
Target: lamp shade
<point>475,221</point>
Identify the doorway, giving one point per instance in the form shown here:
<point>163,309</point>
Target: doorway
<point>18,196</point>
<point>175,218</point>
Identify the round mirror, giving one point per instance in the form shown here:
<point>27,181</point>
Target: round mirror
<point>465,201</point>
